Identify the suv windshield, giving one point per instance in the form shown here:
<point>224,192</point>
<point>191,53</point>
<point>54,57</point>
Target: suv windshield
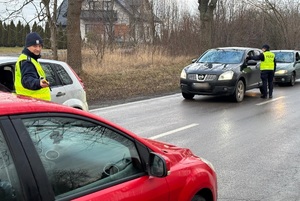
<point>284,57</point>
<point>222,56</point>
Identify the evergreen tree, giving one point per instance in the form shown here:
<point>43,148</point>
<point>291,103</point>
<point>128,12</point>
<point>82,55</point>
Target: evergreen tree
<point>47,36</point>
<point>19,34</point>
<point>64,38</point>
<point>34,27</point>
<point>11,34</point>
<point>1,33</point>
<point>61,37</point>
<point>40,31</point>
<point>25,31</point>
<point>5,35</point>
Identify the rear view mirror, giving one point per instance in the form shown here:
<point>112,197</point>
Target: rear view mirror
<point>157,166</point>
<point>251,63</point>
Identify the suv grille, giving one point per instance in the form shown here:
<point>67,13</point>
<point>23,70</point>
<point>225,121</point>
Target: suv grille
<point>202,77</point>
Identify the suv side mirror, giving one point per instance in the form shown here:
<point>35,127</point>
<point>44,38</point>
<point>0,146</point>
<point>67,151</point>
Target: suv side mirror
<point>251,62</point>
<point>157,166</point>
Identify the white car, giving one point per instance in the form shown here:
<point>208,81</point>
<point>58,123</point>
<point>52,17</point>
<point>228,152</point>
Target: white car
<point>66,87</point>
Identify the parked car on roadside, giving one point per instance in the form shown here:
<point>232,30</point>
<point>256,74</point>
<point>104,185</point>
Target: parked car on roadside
<point>49,152</point>
<point>287,66</point>
<point>221,71</point>
<point>66,87</point>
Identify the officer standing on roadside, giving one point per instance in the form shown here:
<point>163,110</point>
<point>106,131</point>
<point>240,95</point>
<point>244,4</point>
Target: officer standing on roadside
<point>30,78</point>
<point>267,68</point>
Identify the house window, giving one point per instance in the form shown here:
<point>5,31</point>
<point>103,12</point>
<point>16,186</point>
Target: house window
<point>94,28</point>
<point>100,5</point>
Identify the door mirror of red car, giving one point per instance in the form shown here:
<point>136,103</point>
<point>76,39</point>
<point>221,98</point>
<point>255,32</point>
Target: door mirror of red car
<point>157,166</point>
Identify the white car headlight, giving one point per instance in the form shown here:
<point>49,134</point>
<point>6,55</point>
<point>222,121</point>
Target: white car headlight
<point>281,72</point>
<point>183,74</point>
<point>228,75</point>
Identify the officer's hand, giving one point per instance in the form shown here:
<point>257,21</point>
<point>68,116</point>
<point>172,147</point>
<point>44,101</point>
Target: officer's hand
<point>44,83</point>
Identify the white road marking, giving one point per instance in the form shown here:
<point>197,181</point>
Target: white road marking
<point>133,103</point>
<point>173,131</point>
<point>270,100</point>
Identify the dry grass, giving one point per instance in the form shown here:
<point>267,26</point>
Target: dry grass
<point>129,75</point>
<point>10,50</point>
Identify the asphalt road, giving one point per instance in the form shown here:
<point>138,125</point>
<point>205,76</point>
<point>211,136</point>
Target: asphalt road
<point>254,145</point>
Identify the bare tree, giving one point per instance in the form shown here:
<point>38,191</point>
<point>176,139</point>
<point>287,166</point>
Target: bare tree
<point>206,8</point>
<point>74,41</point>
<point>95,41</point>
<point>52,22</point>
<point>148,8</point>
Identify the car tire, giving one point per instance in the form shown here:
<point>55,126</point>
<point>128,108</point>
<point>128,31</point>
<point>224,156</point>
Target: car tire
<point>293,80</point>
<point>188,96</point>
<point>261,90</point>
<point>239,92</point>
<point>198,198</point>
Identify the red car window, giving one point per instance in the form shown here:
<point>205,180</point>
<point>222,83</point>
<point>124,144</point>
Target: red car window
<point>79,155</point>
<point>9,181</point>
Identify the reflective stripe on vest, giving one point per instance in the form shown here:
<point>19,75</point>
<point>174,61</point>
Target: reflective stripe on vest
<point>43,93</point>
<point>268,63</point>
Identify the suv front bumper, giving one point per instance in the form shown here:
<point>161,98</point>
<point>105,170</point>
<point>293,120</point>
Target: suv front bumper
<point>208,88</point>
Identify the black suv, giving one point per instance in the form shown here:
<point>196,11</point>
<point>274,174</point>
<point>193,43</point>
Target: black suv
<point>221,71</point>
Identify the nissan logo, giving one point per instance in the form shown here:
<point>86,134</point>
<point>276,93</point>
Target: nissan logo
<point>201,77</point>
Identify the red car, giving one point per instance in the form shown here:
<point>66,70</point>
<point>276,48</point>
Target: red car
<point>54,152</point>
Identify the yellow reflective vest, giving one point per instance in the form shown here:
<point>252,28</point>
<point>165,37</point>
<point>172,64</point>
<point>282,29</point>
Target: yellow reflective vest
<point>268,63</point>
<point>43,93</point>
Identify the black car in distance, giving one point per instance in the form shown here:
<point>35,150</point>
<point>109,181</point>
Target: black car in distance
<point>222,71</point>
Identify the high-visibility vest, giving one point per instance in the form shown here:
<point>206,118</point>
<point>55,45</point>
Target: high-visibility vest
<point>43,93</point>
<point>268,63</point>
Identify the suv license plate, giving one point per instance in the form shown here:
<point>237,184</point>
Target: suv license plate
<point>201,85</point>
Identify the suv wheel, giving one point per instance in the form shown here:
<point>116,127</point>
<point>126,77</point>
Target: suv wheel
<point>293,80</point>
<point>239,91</point>
<point>188,96</point>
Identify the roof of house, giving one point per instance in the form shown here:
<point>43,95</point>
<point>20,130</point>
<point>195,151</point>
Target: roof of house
<point>62,13</point>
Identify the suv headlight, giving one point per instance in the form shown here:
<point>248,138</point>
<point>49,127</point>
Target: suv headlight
<point>228,75</point>
<point>183,74</point>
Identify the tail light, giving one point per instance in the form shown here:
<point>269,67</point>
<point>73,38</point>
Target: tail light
<point>78,78</point>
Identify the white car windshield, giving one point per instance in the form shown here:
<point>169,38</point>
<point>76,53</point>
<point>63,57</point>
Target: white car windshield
<point>284,57</point>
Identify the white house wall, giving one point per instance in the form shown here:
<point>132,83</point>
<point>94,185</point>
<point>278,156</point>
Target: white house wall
<point>122,16</point>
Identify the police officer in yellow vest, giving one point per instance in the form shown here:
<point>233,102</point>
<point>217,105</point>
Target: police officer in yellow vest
<point>267,68</point>
<point>30,78</point>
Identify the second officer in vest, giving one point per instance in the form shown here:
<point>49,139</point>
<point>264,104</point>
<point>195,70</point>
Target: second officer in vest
<point>30,78</point>
<point>267,68</point>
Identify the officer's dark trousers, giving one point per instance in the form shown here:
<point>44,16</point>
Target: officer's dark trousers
<point>267,80</point>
